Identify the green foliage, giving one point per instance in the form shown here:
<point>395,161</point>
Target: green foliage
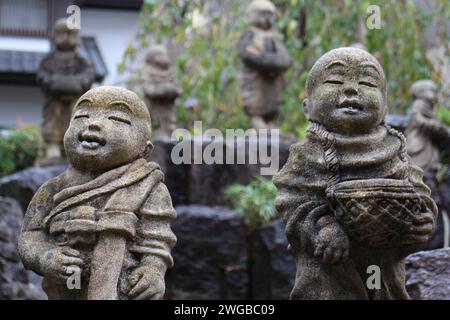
<point>207,62</point>
<point>255,201</point>
<point>443,114</point>
<point>19,149</point>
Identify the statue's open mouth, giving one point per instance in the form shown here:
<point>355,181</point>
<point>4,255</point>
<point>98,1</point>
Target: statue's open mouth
<point>350,106</point>
<point>91,141</point>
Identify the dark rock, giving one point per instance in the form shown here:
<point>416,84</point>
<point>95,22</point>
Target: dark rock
<point>15,281</point>
<point>428,275</point>
<point>23,185</point>
<point>176,176</point>
<point>210,256</point>
<point>272,267</point>
<point>397,121</point>
<point>217,177</point>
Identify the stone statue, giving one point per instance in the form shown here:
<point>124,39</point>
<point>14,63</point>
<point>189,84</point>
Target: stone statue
<point>64,74</point>
<point>353,202</point>
<point>106,219</point>
<point>426,135</point>
<point>265,59</point>
<point>161,89</point>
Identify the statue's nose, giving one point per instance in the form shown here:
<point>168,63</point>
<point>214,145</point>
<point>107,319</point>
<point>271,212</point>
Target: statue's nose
<point>95,126</point>
<point>350,90</point>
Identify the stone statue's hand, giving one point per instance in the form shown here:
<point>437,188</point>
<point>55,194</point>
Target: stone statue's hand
<point>331,245</point>
<point>145,284</point>
<point>422,229</point>
<point>56,261</point>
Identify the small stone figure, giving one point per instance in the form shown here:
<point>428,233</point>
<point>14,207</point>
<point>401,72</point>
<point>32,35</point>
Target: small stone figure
<point>354,204</point>
<point>64,75</point>
<point>427,137</point>
<point>161,89</point>
<point>106,219</point>
<point>265,59</point>
<point>425,133</point>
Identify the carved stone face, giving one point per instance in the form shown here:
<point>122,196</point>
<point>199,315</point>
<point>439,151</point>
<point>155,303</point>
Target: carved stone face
<point>425,89</point>
<point>65,39</point>
<point>263,19</point>
<point>347,92</point>
<point>107,130</point>
<point>158,57</point>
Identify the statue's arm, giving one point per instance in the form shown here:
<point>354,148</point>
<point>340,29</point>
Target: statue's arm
<point>265,61</point>
<point>34,242</point>
<point>300,200</point>
<point>86,74</point>
<point>423,227</point>
<point>155,238</point>
<point>162,90</point>
<point>44,75</point>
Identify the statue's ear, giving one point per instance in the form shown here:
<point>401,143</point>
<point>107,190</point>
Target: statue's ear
<point>148,149</point>
<point>306,108</point>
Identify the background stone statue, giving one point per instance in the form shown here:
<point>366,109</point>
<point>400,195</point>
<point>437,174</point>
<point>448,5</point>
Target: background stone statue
<point>427,137</point>
<point>107,217</point>
<point>265,59</point>
<point>64,74</point>
<point>353,202</point>
<point>161,89</point>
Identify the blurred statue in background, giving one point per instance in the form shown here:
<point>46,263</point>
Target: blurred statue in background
<point>353,202</point>
<point>427,137</point>
<point>161,89</point>
<point>265,59</point>
<point>64,75</point>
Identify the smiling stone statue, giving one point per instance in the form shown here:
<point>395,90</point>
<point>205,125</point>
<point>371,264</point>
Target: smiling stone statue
<point>108,215</point>
<point>351,198</point>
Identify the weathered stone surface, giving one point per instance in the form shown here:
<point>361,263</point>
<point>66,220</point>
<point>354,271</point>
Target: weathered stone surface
<point>211,255</point>
<point>161,89</point>
<point>15,281</point>
<point>350,196</point>
<point>272,266</point>
<point>108,215</point>
<point>176,175</point>
<point>23,185</point>
<point>264,61</point>
<point>63,75</point>
<point>428,275</point>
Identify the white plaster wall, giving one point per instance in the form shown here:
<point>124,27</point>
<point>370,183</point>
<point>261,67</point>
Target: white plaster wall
<point>113,30</point>
<point>24,44</point>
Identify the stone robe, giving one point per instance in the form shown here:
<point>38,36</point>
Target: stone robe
<point>131,201</point>
<point>265,59</point>
<point>301,200</point>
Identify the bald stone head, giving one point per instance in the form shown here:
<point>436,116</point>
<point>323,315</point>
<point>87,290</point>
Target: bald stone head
<point>65,39</point>
<point>158,56</point>
<point>425,89</point>
<point>346,92</point>
<point>261,14</point>
<point>110,127</point>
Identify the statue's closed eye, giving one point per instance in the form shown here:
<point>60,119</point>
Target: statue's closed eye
<point>79,116</point>
<point>367,84</point>
<point>119,119</point>
<point>332,81</point>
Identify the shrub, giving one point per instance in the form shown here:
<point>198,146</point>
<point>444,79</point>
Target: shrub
<point>255,201</point>
<point>19,149</point>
